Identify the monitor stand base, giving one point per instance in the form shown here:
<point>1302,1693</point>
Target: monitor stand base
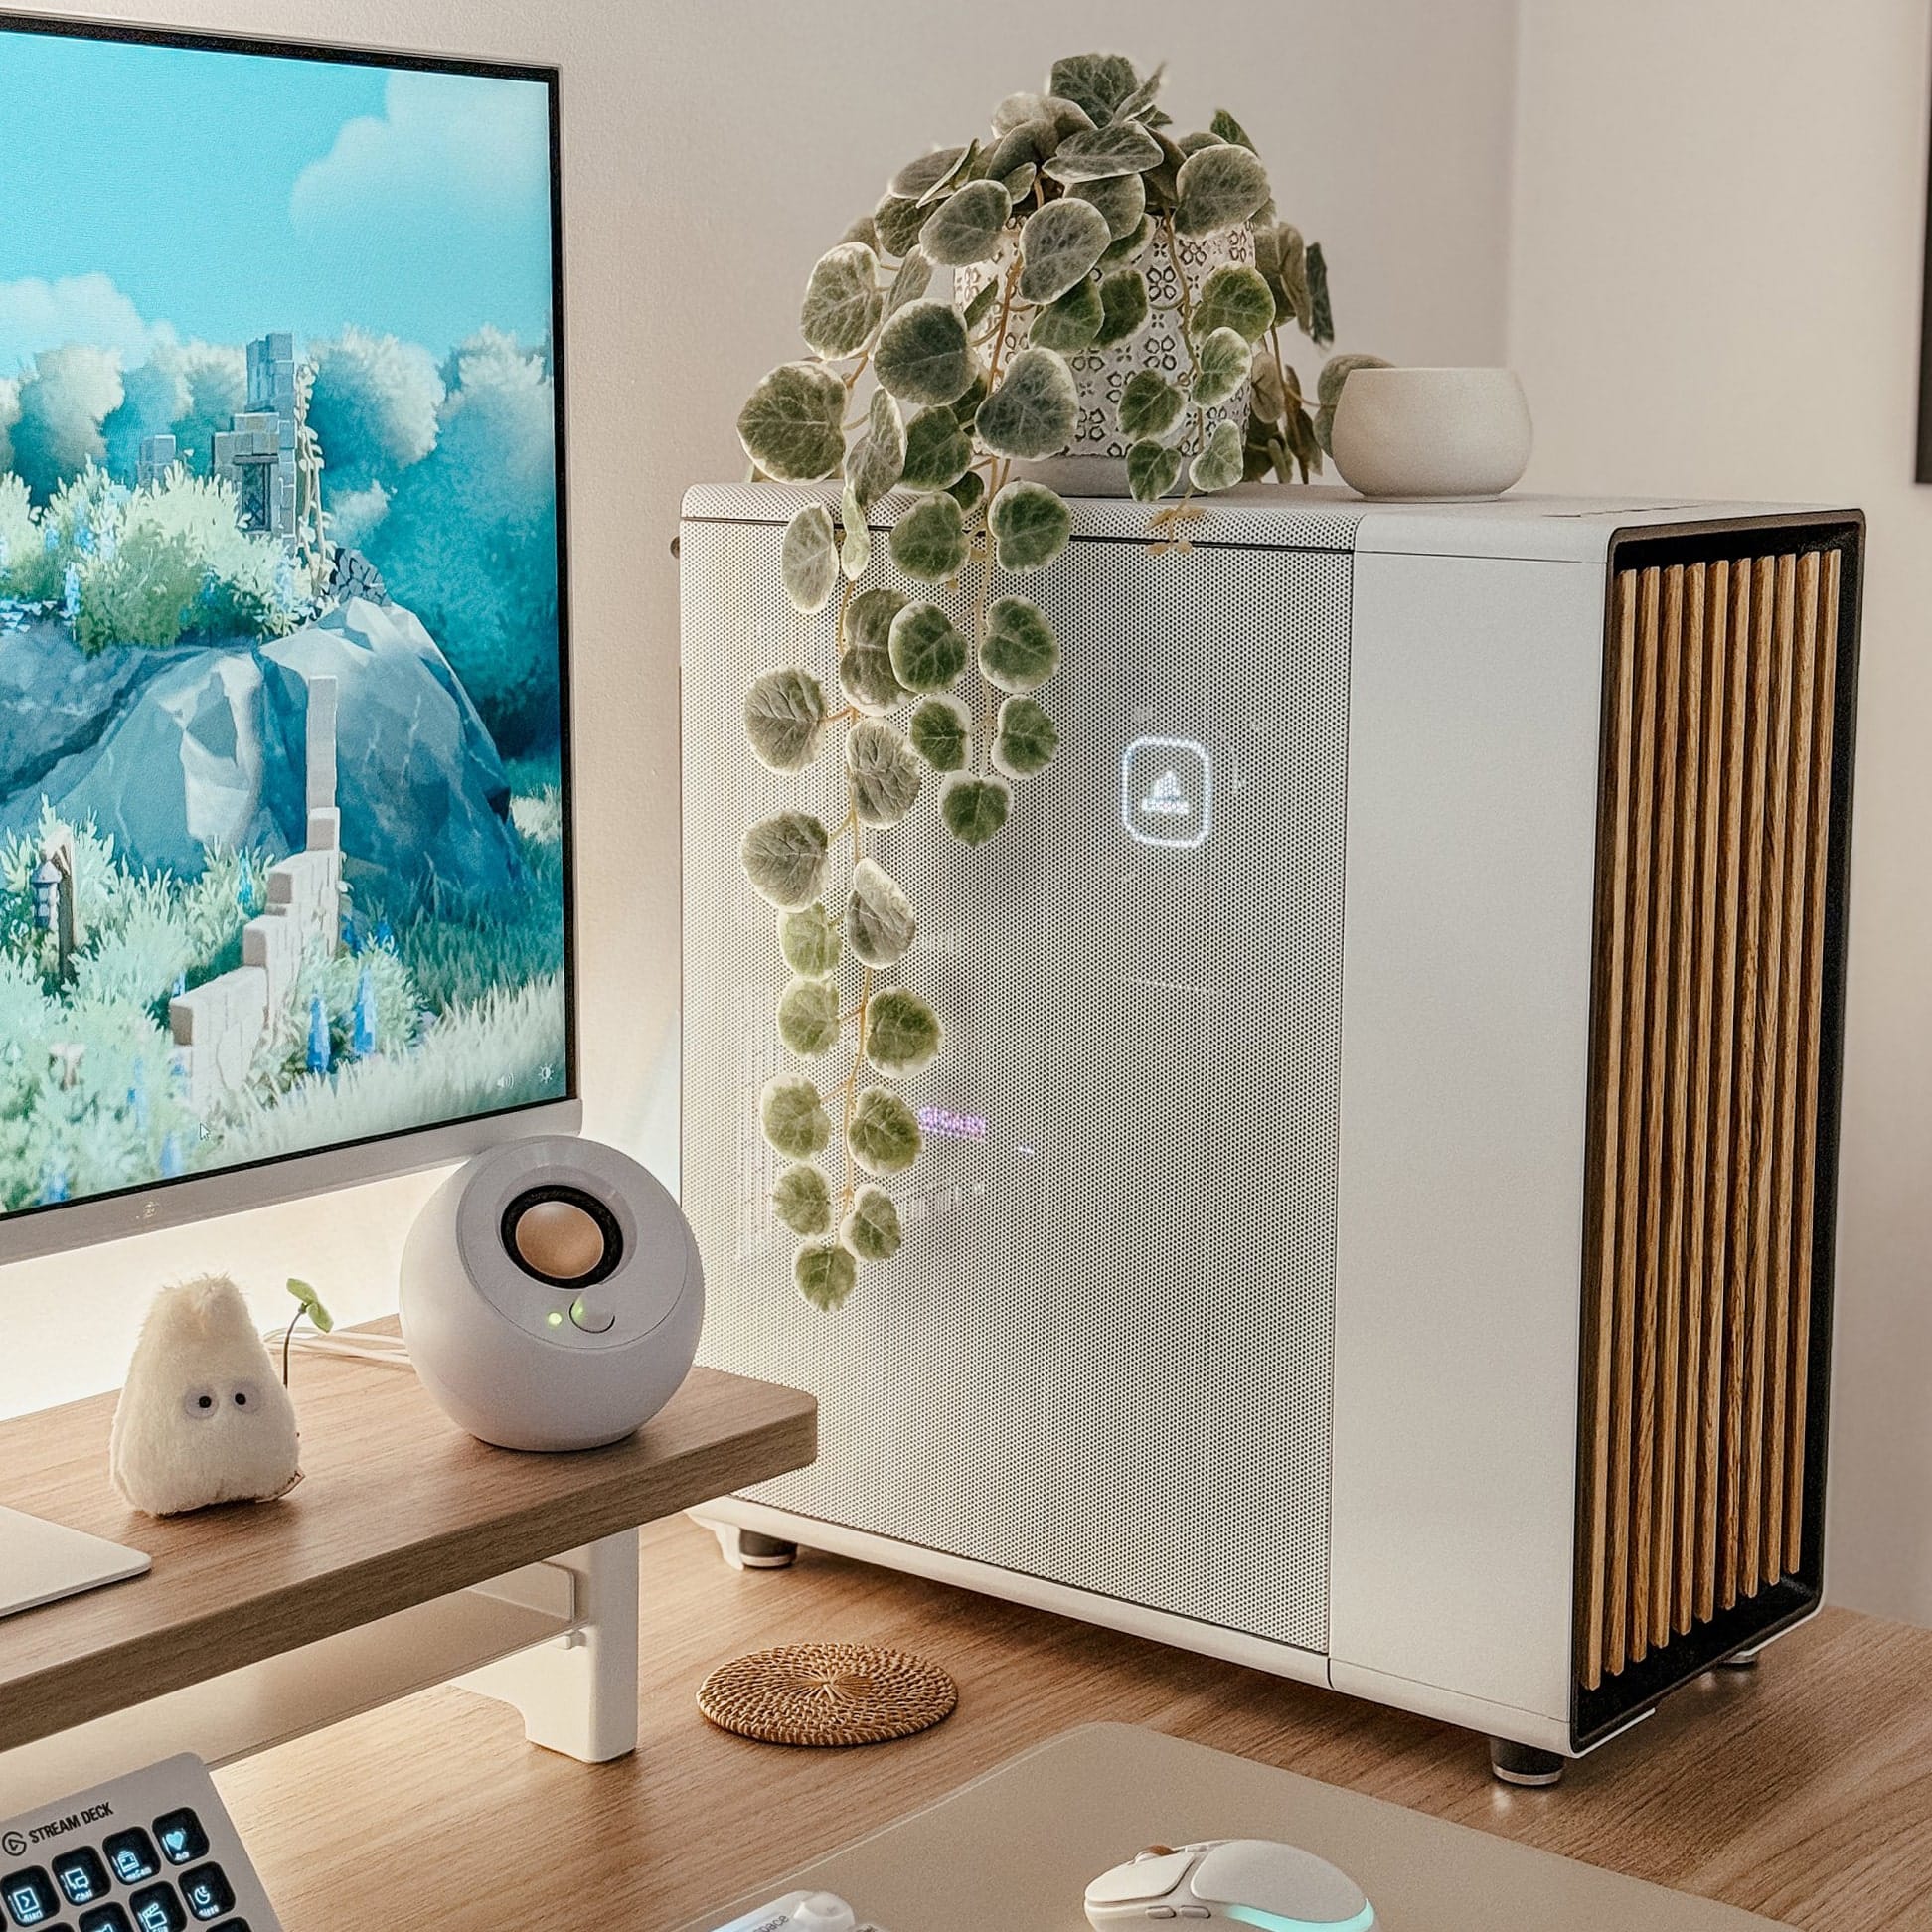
<point>41,1563</point>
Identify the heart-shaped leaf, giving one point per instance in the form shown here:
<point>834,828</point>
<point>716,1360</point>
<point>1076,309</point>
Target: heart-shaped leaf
<point>915,277</point>
<point>793,426</point>
<point>1220,366</point>
<point>929,540</point>
<point>897,223</point>
<point>1123,147</point>
<point>1031,526</point>
<point>1224,127</point>
<point>968,491</point>
<point>1122,199</point>
<point>1037,407</point>
<point>784,857</point>
<point>1234,296</point>
<point>808,1017</point>
<point>1153,469</point>
<point>824,1273</point>
<point>810,940</point>
<point>880,926</point>
<point>876,462</point>
<point>1123,307</point>
<point>1321,320</point>
<point>802,1199</point>
<point>1150,405</point>
<point>1130,248</point>
<point>808,560</point>
<point>966,227</point>
<point>882,771</point>
<point>939,452</point>
<point>1018,650</point>
<point>943,734</point>
<point>1336,372</point>
<point>885,1138</point>
<point>871,1228</point>
<point>928,653</point>
<point>928,174</point>
<point>1026,741</point>
<point>974,809</point>
<point>922,353</point>
<point>1096,83</point>
<point>865,663</point>
<point>794,1118</point>
<point>1218,465</point>
<point>902,1032</point>
<point>842,301</point>
<point>784,712</point>
<point>1072,323</point>
<point>855,551</point>
<point>1219,187</point>
<point>1059,247</point>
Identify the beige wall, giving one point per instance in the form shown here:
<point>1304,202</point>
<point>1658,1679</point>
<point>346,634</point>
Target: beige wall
<point>1719,217</point>
<point>713,150</point>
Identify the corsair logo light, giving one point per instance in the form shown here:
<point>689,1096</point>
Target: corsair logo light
<point>1167,792</point>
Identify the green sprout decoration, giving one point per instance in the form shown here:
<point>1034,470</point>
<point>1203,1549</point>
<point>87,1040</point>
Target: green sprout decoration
<point>1049,228</point>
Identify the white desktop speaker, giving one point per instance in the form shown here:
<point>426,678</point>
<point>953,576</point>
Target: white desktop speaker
<point>551,1294</point>
<point>1375,1218</point>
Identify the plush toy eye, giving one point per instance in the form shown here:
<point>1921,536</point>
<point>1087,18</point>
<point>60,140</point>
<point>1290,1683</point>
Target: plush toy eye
<point>244,1396</point>
<point>199,1404</point>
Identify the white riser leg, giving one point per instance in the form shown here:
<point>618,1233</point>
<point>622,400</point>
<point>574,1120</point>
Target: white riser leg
<point>578,1694</point>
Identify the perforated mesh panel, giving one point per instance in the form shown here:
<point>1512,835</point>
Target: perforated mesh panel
<point>1103,1354</point>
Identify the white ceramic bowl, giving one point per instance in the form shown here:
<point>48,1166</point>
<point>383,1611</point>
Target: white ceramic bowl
<point>1432,432</point>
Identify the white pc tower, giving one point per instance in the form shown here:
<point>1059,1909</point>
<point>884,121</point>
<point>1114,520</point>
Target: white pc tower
<point>1376,1214</point>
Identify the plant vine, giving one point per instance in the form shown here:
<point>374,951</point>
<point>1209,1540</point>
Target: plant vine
<point>1047,229</point>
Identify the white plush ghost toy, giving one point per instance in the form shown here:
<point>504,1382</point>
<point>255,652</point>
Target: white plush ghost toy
<point>203,1418</point>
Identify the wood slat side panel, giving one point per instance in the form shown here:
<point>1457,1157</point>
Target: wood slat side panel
<point>1705,1082</point>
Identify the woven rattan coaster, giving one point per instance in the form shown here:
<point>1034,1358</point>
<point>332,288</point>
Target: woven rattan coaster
<point>827,1694</point>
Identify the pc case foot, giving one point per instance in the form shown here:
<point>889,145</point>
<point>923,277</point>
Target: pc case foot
<point>745,1549</point>
<point>1524,1765</point>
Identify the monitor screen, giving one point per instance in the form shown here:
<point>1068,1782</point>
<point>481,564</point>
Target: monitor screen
<point>284,788</point>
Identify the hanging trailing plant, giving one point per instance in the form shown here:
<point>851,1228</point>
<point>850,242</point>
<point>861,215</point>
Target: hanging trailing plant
<point>1077,225</point>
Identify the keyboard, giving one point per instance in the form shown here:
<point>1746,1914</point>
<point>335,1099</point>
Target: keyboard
<point>153,1851</point>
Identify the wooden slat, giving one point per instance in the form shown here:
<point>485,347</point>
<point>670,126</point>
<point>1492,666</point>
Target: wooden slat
<point>1811,1024</point>
<point>1731,607</point>
<point>1761,1369</point>
<point>1796,876</point>
<point>1654,1293</point>
<point>1620,1637</point>
<point>1740,1314</point>
<point>1606,1109</point>
<point>1679,1353</point>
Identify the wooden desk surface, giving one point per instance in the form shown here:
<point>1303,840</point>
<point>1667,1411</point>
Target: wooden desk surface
<point>1802,1791</point>
<point>397,1506</point>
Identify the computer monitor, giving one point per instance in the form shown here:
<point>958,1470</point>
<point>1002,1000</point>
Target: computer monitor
<point>285,886</point>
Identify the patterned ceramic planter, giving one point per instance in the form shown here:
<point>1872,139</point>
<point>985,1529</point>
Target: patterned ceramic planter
<point>1095,463</point>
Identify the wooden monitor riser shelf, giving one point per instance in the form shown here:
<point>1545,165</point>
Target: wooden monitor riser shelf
<point>410,1553</point>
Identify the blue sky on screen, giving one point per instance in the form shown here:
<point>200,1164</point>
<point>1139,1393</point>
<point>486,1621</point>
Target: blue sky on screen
<point>149,190</point>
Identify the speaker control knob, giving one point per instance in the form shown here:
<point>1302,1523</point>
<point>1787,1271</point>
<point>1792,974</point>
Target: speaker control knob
<point>591,1316</point>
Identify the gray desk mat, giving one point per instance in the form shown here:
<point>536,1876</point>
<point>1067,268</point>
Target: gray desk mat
<point>1014,1850</point>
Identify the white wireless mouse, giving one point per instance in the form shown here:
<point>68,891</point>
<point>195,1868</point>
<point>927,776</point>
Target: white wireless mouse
<point>1231,1881</point>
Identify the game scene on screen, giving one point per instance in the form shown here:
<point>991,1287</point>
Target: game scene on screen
<point>281,765</point>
